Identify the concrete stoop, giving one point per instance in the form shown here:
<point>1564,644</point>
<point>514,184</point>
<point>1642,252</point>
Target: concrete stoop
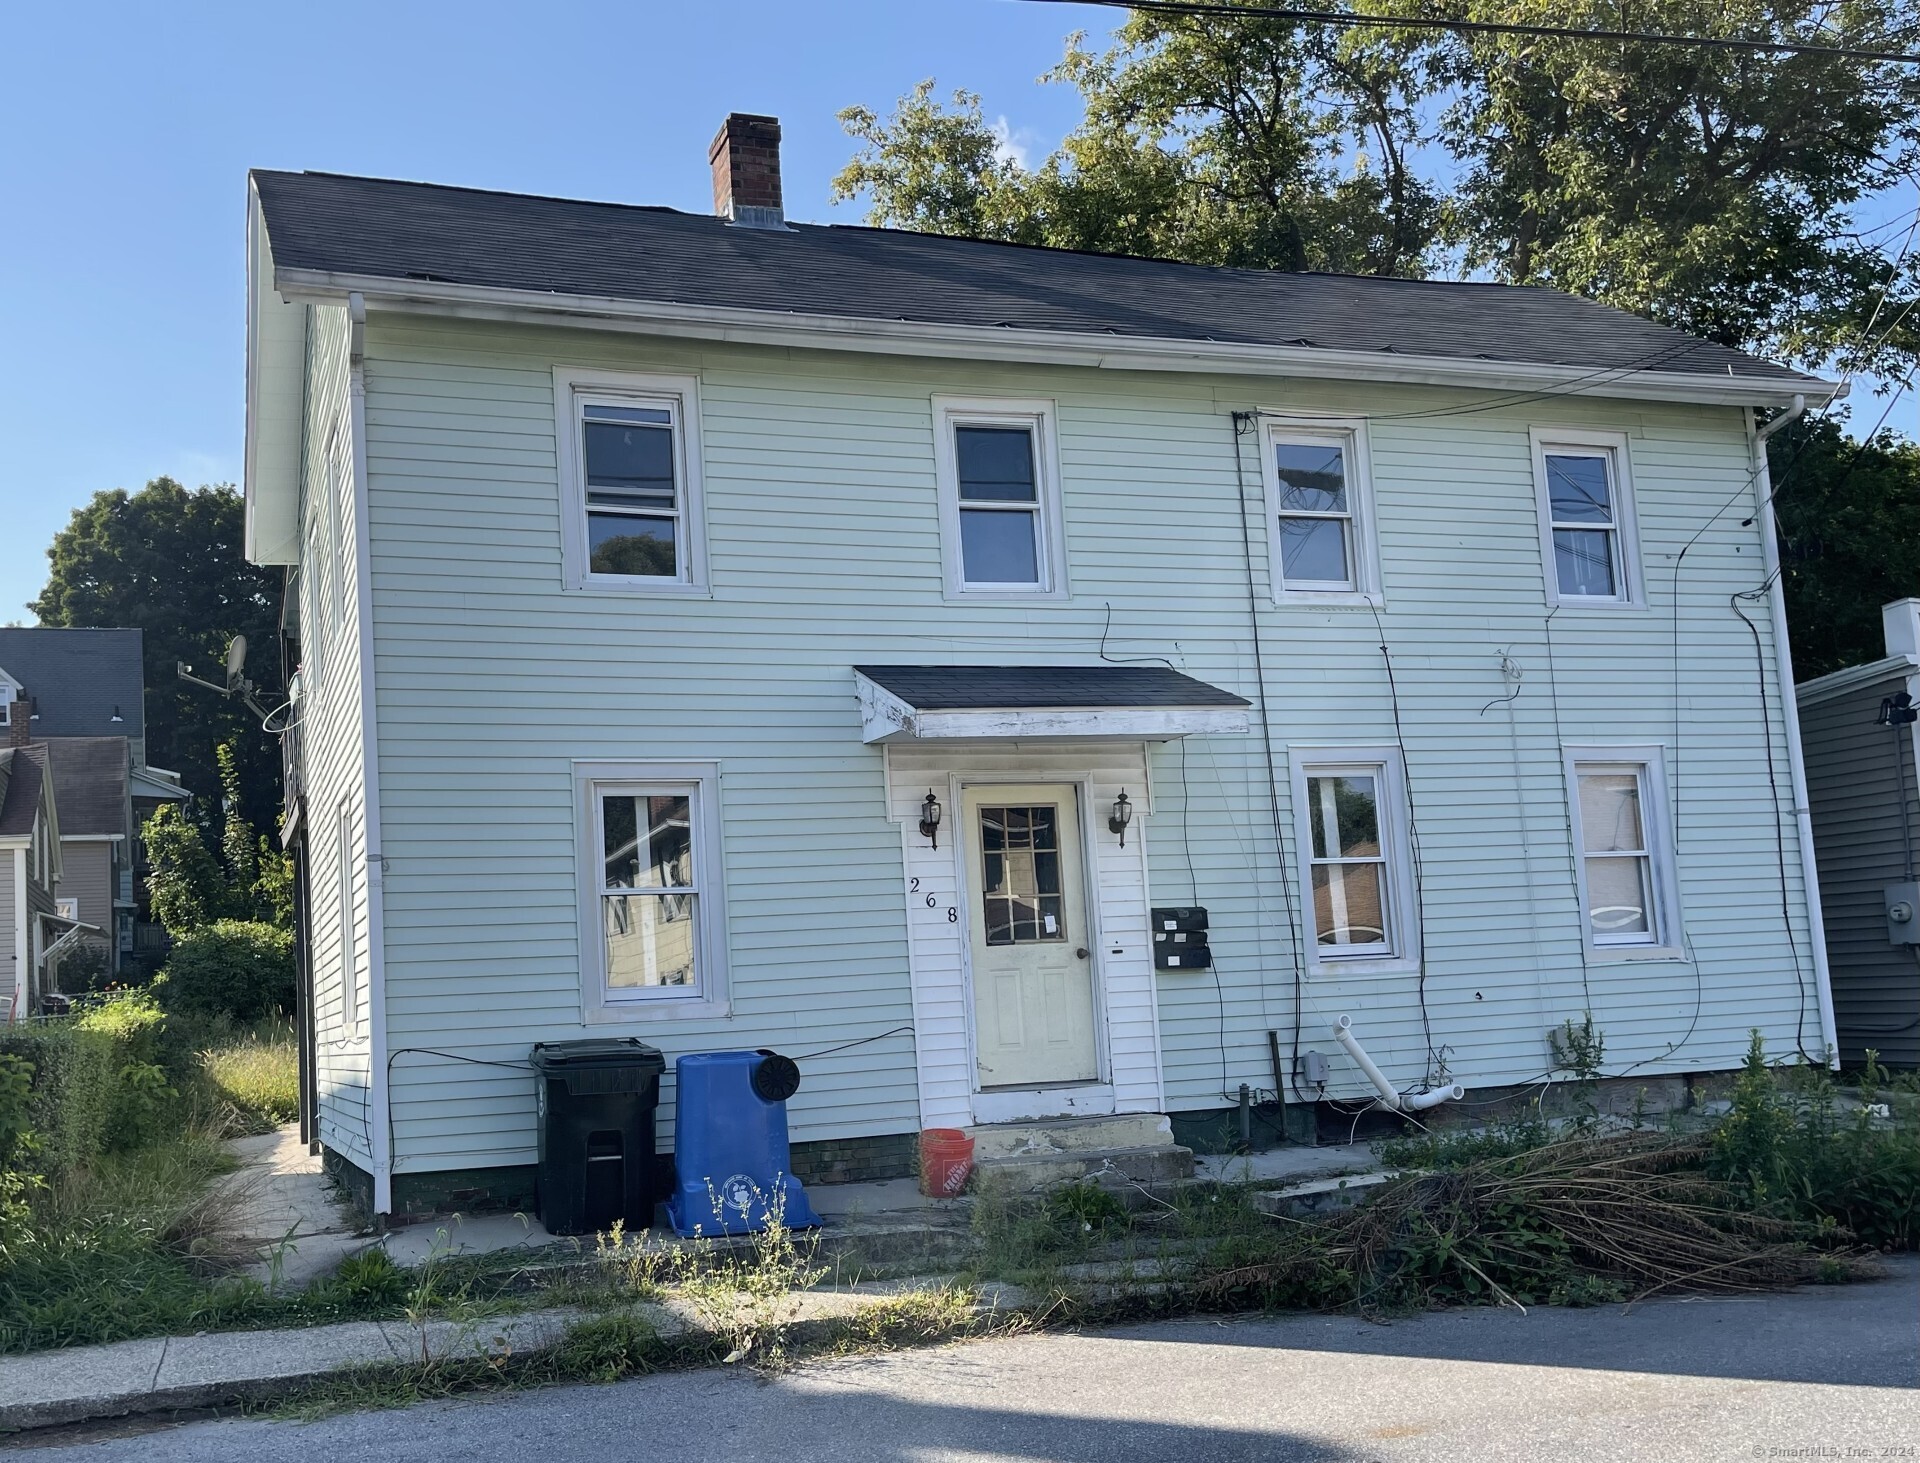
<point>1127,1148</point>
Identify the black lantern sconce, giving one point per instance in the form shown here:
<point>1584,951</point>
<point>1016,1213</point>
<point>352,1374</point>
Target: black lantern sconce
<point>930,818</point>
<point>1121,815</point>
<point>1897,710</point>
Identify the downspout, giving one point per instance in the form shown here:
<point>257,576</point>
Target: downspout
<point>1790,715</point>
<point>381,1138</point>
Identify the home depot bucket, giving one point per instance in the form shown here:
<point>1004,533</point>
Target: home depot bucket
<point>946,1161</point>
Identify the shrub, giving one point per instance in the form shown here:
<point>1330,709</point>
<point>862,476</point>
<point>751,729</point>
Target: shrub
<point>237,968</point>
<point>96,1082</point>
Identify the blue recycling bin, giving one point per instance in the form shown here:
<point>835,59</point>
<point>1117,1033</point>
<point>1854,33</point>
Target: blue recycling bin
<point>732,1165</point>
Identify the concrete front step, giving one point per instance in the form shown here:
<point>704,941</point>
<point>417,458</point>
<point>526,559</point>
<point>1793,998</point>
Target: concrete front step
<point>1071,1135</point>
<point>1026,1173</point>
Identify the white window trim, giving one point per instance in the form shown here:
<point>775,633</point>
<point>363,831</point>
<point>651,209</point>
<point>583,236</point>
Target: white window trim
<point>1038,414</point>
<point>1396,843</point>
<point>590,779</point>
<point>682,393</point>
<point>1351,434</point>
<point>352,1008</point>
<point>1626,525</point>
<point>1656,814</point>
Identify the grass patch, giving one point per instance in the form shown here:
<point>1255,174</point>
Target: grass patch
<point>255,1072</point>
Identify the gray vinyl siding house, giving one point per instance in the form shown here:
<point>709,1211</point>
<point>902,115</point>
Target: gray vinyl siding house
<point>1866,818</point>
<point>1335,507</point>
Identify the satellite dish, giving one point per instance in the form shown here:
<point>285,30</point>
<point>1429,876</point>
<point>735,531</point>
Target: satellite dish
<point>236,658</point>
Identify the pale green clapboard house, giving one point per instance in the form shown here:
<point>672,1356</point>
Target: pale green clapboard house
<point>650,572</point>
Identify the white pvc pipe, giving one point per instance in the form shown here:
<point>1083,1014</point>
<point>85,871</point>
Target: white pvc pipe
<point>1390,1096</point>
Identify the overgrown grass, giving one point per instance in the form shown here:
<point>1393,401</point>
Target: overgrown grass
<point>255,1072</point>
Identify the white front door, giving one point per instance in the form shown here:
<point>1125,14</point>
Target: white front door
<point>1033,1008</point>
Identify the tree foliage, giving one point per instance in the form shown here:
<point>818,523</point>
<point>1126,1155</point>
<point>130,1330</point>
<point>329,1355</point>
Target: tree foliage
<point>191,886</point>
<point>169,562</point>
<point>1849,519</point>
<point>1704,188</point>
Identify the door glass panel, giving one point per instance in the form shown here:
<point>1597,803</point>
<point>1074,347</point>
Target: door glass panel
<point>1020,875</point>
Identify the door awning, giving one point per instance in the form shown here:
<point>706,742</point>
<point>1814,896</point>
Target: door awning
<point>1123,702</point>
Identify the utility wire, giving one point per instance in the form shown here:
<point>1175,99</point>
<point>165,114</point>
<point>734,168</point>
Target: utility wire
<point>1489,27</point>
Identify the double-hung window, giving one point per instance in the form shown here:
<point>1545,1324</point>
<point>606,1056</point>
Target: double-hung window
<point>1586,518</point>
<point>1621,833</point>
<point>1350,814</point>
<point>999,497</point>
<point>1318,510</point>
<point>630,481</point>
<point>651,915</point>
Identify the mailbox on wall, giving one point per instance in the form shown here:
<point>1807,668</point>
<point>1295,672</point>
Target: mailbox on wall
<point>1180,939</point>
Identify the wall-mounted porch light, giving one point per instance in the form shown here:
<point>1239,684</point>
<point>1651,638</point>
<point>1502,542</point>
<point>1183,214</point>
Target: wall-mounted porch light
<point>930,818</point>
<point>1121,815</point>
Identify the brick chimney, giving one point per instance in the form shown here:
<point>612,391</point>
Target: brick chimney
<point>745,157</point>
<point>20,723</point>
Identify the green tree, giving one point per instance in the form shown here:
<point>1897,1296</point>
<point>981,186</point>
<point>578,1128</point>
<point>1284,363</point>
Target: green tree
<point>1849,520</point>
<point>1709,189</point>
<point>191,887</point>
<point>1255,143</point>
<point>169,562</point>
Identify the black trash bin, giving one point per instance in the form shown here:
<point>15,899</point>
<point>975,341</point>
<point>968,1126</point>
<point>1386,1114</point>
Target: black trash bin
<point>597,1104</point>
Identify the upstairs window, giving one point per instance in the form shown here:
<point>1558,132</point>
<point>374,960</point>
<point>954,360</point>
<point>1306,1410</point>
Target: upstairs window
<point>630,480</point>
<point>999,498</point>
<point>1586,519</point>
<point>1318,506</point>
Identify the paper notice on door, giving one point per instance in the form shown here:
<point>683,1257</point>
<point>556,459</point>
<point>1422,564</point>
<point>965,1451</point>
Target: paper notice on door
<point>1053,925</point>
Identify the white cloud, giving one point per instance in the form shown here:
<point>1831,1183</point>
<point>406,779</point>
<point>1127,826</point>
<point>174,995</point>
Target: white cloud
<point>1011,145</point>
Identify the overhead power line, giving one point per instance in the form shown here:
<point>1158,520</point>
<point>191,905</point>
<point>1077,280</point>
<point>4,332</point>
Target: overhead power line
<point>1489,27</point>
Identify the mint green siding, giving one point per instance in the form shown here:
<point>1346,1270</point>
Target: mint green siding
<point>824,551</point>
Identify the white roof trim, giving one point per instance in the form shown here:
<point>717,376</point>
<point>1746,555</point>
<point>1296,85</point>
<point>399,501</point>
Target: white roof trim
<point>975,342</point>
<point>1838,683</point>
<point>276,404</point>
<point>885,717</point>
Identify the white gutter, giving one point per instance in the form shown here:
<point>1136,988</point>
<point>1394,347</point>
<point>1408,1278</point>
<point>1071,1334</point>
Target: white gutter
<point>380,1139</point>
<point>1391,1096</point>
<point>976,342</point>
<point>1789,714</point>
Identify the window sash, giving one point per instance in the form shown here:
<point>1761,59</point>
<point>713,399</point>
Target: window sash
<point>675,514</point>
<point>1386,861</point>
<point>1651,858</point>
<point>1346,443</point>
<point>1043,509</point>
<point>1611,526</point>
<point>688,899</point>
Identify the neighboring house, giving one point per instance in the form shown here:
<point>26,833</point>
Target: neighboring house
<point>867,644</point>
<point>1861,748</point>
<point>30,921</point>
<point>79,697</point>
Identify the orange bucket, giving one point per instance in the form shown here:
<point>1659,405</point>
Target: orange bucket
<point>946,1162</point>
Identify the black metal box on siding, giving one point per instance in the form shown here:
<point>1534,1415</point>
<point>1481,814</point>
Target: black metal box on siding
<point>598,1100</point>
<point>1180,938</point>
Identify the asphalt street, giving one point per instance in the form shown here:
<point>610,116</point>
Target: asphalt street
<point>1825,1373</point>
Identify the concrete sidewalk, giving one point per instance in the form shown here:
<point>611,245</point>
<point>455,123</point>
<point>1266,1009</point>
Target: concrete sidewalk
<point>81,1384</point>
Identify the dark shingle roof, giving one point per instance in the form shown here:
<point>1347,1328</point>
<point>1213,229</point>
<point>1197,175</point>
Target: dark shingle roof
<point>90,783</point>
<point>1049,687</point>
<point>79,680</point>
<point>333,224</point>
<point>21,782</point>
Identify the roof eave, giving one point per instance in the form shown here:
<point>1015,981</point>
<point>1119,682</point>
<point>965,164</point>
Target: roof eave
<point>973,342</point>
<point>276,403</point>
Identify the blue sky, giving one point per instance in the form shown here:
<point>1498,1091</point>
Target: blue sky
<point>126,132</point>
